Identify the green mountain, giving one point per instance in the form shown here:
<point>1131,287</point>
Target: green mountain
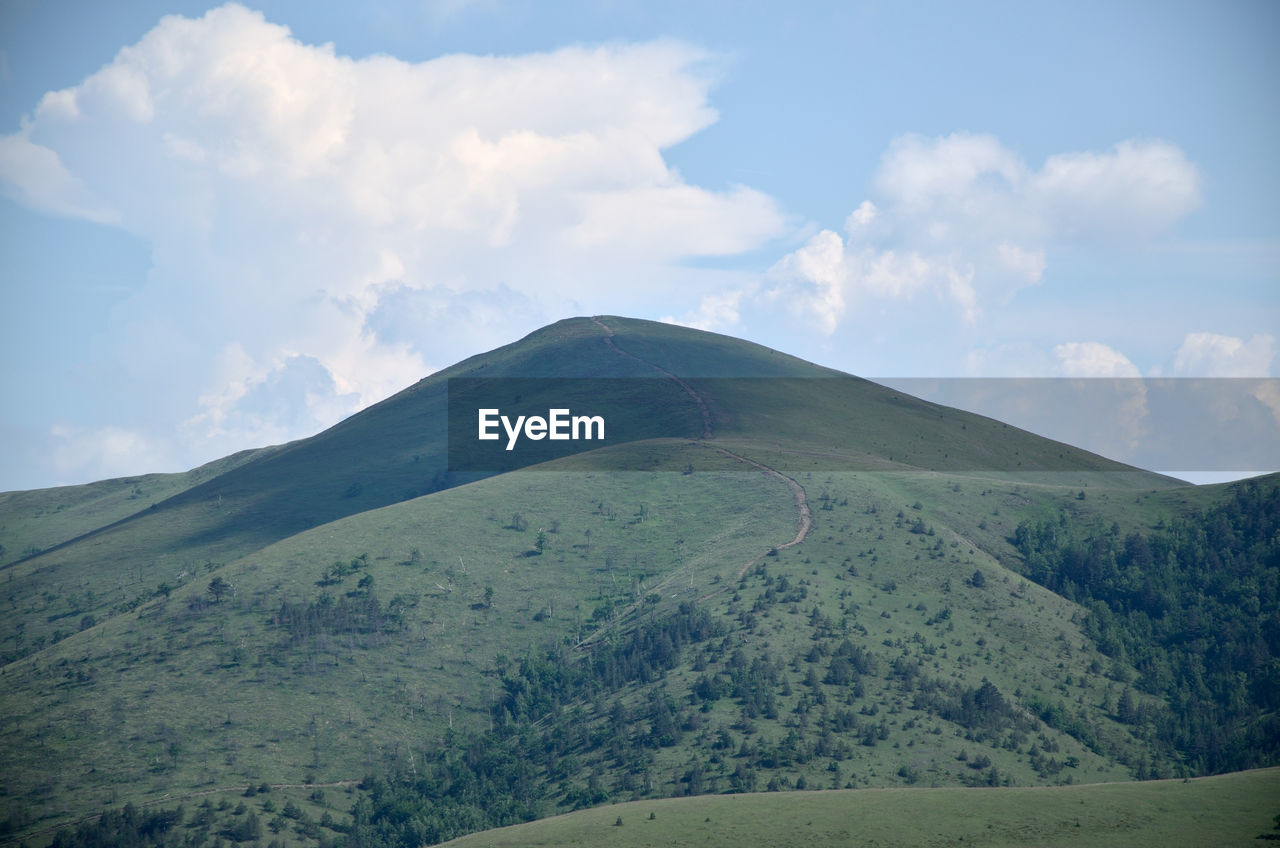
<point>106,546</point>
<point>775,577</point>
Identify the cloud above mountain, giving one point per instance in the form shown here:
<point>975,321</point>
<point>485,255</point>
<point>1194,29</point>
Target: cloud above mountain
<point>293,198</point>
<point>962,222</point>
<point>308,231</point>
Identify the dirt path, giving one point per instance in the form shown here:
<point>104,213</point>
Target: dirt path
<point>797,491</point>
<point>702,405</point>
<point>802,504</point>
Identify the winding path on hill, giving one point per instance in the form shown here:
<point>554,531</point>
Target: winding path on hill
<point>697,398</point>
<point>797,491</point>
<point>802,503</point>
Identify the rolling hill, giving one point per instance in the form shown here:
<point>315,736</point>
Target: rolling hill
<point>780,577</point>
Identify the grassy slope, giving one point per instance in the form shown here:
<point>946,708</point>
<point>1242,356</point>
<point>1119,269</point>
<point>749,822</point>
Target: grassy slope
<point>824,419</point>
<point>332,708</point>
<point>392,451</point>
<point>39,519</point>
<point>1226,810</point>
<point>396,450</point>
<point>862,569</point>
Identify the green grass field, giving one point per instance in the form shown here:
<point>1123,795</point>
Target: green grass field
<point>1231,810</point>
<point>329,708</point>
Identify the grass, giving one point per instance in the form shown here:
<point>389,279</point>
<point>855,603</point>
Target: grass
<point>1227,810</point>
<point>40,519</point>
<point>292,816</point>
<point>329,710</point>
<point>133,683</point>
<point>334,709</point>
<point>396,450</point>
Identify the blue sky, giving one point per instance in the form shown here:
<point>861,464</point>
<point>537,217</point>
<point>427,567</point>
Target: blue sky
<point>236,225</point>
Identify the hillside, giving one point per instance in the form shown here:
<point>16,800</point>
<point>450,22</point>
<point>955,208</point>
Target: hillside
<point>40,519</point>
<point>816,582</point>
<point>1159,814</point>
<point>808,417</point>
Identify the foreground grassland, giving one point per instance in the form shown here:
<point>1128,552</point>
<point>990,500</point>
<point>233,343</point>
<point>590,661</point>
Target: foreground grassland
<point>1222,811</point>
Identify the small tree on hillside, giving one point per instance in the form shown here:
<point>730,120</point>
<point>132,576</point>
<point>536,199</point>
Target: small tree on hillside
<point>218,587</point>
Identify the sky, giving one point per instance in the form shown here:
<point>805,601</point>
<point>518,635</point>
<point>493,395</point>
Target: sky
<point>228,226</point>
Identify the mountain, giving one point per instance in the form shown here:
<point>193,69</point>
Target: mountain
<point>771,576</point>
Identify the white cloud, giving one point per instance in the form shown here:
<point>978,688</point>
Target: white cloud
<point>861,217</point>
<point>1218,356</point>
<point>1010,359</point>
<point>1093,359</point>
<point>963,219</point>
<point>104,452</point>
<point>921,173</point>
<point>1137,189</point>
<point>37,177</point>
<point>1110,406</point>
<point>1027,264</point>
<point>716,312</point>
<point>1214,355</point>
<point>1267,393</point>
<point>676,221</point>
<point>814,279</point>
<point>286,191</point>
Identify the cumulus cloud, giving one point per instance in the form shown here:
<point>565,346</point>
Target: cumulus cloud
<point>817,273</point>
<point>1093,359</point>
<point>963,221</point>
<point>1218,356</point>
<point>1091,395</point>
<point>1110,405</point>
<point>35,175</point>
<point>1137,189</point>
<point>1214,355</point>
<point>716,312</point>
<point>104,452</point>
<point>292,196</point>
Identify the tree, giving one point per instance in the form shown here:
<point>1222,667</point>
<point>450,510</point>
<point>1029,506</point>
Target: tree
<point>218,587</point>
<point>1127,710</point>
<point>247,830</point>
